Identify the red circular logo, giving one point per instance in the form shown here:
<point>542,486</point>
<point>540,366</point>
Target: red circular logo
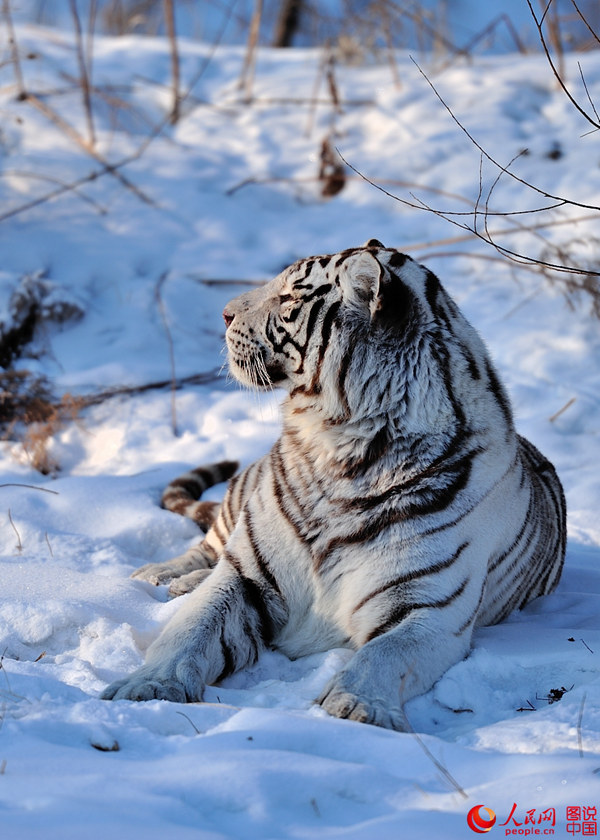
<point>478,823</point>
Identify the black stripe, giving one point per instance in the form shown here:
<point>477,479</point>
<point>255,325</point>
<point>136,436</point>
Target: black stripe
<point>227,514</point>
<point>283,492</point>
<point>254,597</point>
<point>397,260</point>
<point>435,502</point>
<point>320,291</point>
<point>432,287</point>
<point>493,564</point>
<point>471,361</point>
<point>186,487</point>
<point>326,327</point>
<point>531,532</point>
<point>474,613</point>
<point>237,487</point>
<point>310,324</point>
<point>228,660</point>
<point>233,561</point>
<point>499,395</point>
<point>442,358</point>
<point>372,456</point>
<point>452,467</point>
<point>411,576</point>
<point>341,381</point>
<point>261,561</point>
<point>400,613</point>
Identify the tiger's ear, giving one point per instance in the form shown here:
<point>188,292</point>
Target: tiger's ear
<point>360,277</point>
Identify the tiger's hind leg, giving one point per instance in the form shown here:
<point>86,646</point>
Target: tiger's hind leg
<point>185,583</point>
<point>181,496</point>
<point>190,568</point>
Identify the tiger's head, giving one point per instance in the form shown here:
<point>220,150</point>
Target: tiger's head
<point>360,334</point>
<point>289,331</point>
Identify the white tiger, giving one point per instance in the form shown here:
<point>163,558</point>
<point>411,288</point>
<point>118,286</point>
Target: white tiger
<point>398,510</point>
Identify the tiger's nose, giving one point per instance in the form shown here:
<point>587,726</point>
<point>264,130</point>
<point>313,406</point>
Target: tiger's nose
<point>228,318</point>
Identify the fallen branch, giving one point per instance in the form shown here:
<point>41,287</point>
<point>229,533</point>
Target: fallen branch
<point>132,390</point>
<point>30,487</point>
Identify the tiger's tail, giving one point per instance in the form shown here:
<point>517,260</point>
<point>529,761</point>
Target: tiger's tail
<point>181,495</point>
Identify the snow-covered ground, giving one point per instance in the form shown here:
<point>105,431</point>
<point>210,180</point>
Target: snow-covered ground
<point>230,195</point>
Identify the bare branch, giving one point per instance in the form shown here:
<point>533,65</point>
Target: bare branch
<point>83,71</point>
<point>557,73</point>
<point>585,87</point>
<point>584,20</point>
<point>247,76</point>
<point>492,160</point>
<point>12,39</point>
<point>515,256</point>
<point>169,8</point>
<point>163,314</point>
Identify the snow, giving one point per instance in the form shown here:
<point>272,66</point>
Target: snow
<point>231,196</point>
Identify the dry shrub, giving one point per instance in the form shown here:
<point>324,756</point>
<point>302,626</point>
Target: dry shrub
<point>583,255</point>
<point>30,414</point>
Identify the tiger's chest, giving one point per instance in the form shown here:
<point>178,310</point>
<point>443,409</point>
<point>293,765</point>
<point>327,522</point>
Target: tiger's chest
<point>312,554</point>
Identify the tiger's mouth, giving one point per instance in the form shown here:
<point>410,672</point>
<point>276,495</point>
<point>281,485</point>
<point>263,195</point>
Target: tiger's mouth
<point>254,370</point>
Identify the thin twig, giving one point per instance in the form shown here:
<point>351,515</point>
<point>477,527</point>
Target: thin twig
<point>17,173</point>
<point>492,160</point>
<point>31,487</point>
<point>14,50</point>
<point>191,722</point>
<point>163,314</point>
<point>133,390</point>
<point>556,72</point>
<point>585,87</point>
<point>516,257</point>
<point>583,18</point>
<point>169,12</point>
<point>19,543</point>
<point>579,720</point>
<point>83,72</point>
<point>74,135</point>
<point>247,76</point>
<point>562,410</point>
<point>443,770</point>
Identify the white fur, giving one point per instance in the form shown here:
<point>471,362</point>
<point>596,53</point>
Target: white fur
<point>394,417</point>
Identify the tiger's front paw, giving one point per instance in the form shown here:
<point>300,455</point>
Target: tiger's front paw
<point>342,698</point>
<point>180,685</point>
